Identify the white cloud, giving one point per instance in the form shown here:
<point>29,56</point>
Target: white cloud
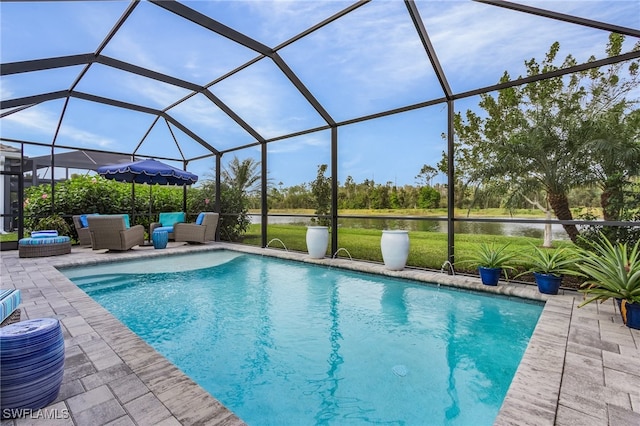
<point>44,124</point>
<point>474,38</point>
<point>86,138</point>
<point>6,92</point>
<point>34,120</point>
<point>201,110</point>
<point>160,94</point>
<point>382,39</point>
<point>280,20</point>
<point>298,144</point>
<point>266,100</point>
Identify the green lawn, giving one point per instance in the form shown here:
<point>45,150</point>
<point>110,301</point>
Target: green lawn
<point>12,236</point>
<point>427,249</point>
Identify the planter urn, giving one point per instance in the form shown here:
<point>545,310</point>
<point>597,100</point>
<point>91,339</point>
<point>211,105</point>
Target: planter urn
<point>395,249</point>
<point>630,314</point>
<point>317,241</point>
<point>547,283</point>
<point>489,276</point>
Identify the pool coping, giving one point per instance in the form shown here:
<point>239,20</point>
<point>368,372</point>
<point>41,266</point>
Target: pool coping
<point>582,366</point>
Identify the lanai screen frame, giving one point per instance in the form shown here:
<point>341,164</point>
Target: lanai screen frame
<point>263,51</point>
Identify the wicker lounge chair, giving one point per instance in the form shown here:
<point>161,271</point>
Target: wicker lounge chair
<point>203,230</point>
<point>166,221</point>
<point>110,232</point>
<point>84,237</point>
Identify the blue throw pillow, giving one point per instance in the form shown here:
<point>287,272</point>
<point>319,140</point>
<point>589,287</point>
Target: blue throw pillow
<point>126,220</point>
<point>200,219</point>
<point>84,221</point>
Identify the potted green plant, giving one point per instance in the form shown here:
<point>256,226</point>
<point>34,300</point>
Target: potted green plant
<point>613,270</point>
<point>492,261</point>
<point>317,237</point>
<point>549,266</point>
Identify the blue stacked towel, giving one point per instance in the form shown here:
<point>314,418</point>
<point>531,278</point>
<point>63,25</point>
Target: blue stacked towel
<point>44,234</point>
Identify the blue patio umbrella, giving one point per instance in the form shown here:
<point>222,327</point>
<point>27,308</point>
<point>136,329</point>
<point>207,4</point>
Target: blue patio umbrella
<point>148,171</point>
<point>152,172</point>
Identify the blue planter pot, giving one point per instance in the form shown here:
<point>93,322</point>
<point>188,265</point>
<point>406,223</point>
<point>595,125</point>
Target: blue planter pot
<point>547,283</point>
<point>489,276</point>
<point>630,314</point>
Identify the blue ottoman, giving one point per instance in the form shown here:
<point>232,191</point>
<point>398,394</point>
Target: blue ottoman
<point>40,247</point>
<point>31,364</point>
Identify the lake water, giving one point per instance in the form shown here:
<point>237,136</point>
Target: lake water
<point>507,228</point>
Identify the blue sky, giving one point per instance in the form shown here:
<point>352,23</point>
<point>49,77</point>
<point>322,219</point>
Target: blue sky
<point>368,61</point>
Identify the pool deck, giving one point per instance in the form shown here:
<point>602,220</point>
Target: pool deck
<point>581,367</point>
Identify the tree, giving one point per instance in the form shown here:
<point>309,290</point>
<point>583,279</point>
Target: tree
<point>615,157</point>
<point>428,198</point>
<point>234,217</point>
<point>613,129</point>
<point>321,190</point>
<point>243,175</point>
<point>533,136</point>
<point>240,179</point>
<point>426,175</point>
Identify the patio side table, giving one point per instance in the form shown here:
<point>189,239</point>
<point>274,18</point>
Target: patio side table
<point>160,239</point>
<point>31,364</point>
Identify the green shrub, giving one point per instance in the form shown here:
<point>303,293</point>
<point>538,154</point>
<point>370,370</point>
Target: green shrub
<point>56,223</point>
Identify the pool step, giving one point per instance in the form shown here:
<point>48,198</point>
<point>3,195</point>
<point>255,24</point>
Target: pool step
<point>93,285</point>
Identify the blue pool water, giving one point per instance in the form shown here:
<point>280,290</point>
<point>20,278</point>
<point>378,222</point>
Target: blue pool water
<point>286,343</point>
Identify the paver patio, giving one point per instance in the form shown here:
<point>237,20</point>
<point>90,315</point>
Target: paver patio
<point>582,366</point>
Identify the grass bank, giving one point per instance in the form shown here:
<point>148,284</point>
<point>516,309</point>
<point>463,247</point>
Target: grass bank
<point>427,249</point>
<point>520,213</point>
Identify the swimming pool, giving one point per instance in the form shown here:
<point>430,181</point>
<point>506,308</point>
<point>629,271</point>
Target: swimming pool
<point>283,342</point>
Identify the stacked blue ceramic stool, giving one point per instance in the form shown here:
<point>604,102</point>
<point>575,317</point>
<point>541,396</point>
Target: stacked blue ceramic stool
<point>160,238</point>
<point>31,364</point>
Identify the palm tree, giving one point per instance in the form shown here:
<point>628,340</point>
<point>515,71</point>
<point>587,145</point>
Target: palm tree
<point>242,175</point>
<point>614,151</point>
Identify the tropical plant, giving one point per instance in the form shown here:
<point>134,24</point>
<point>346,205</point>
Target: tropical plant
<point>321,190</point>
<point>491,256</point>
<point>612,270</point>
<point>614,152</point>
<point>242,175</point>
<point>234,217</point>
<point>556,262</point>
<point>491,261</point>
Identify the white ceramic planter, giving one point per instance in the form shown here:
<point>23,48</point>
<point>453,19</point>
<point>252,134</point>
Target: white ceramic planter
<point>395,249</point>
<point>317,241</point>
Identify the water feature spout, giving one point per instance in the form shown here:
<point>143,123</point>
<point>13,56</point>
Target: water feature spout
<point>449,268</point>
<point>344,250</point>
<point>278,240</point>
